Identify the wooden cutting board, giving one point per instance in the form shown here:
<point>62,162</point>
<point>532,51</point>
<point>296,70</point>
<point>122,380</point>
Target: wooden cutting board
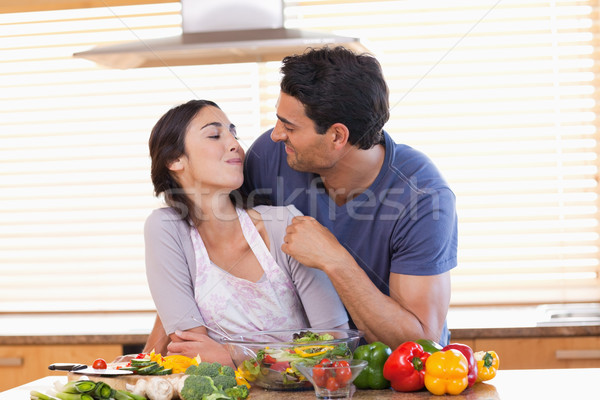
<point>119,382</point>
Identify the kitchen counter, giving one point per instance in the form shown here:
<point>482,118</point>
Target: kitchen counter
<point>76,328</point>
<point>514,322</point>
<point>134,327</point>
<point>507,385</point>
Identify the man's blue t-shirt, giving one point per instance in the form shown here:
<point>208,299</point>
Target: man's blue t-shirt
<point>405,222</point>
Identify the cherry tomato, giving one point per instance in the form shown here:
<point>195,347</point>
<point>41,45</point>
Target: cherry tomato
<point>332,384</point>
<point>320,375</point>
<point>99,363</point>
<point>343,374</point>
<point>326,362</point>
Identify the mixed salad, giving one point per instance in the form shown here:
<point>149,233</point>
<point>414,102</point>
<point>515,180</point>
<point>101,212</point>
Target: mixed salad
<point>282,361</point>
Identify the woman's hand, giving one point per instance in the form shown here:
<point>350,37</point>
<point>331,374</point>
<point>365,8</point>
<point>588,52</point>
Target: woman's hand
<point>195,342</point>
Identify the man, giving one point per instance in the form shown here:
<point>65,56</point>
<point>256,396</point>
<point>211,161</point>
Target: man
<point>379,220</point>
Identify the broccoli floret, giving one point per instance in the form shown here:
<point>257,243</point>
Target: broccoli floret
<point>191,370</point>
<point>224,381</point>
<point>197,387</point>
<point>227,371</point>
<point>205,369</point>
<point>238,392</point>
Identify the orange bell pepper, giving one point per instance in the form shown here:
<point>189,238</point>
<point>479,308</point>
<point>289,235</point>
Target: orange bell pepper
<point>446,372</point>
<point>488,363</point>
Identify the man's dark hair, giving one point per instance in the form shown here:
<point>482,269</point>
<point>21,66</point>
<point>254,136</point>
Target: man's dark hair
<point>338,85</point>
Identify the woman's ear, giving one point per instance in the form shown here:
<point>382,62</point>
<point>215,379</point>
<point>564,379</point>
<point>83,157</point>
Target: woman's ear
<point>175,165</point>
<point>340,134</point>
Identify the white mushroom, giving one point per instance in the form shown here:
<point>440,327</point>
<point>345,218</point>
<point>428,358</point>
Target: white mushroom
<point>180,384</point>
<point>139,388</point>
<point>175,383</point>
<point>158,388</point>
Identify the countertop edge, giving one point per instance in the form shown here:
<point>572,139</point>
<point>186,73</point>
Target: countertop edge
<point>74,339</point>
<point>456,334</point>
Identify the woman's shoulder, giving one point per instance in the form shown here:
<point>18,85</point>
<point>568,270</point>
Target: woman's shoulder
<point>165,216</point>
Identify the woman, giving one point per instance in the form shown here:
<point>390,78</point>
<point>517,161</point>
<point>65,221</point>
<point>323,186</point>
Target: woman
<point>208,262</point>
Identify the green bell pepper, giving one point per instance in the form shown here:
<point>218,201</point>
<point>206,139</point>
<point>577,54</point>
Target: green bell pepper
<point>429,345</point>
<point>376,354</point>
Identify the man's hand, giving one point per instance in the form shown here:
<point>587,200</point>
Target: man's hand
<point>312,244</point>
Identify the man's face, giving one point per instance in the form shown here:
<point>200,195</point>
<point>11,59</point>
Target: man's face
<point>306,150</point>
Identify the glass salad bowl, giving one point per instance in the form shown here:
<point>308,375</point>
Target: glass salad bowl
<point>268,359</point>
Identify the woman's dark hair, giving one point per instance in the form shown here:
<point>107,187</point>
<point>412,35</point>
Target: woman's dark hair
<point>337,85</point>
<point>167,144</point>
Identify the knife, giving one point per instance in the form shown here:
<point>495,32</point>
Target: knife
<point>85,370</point>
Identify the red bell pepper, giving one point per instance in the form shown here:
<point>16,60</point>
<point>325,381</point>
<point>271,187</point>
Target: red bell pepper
<point>470,356</point>
<point>405,367</point>
<point>269,359</point>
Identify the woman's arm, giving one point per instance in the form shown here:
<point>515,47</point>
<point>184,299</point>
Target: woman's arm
<point>170,270</point>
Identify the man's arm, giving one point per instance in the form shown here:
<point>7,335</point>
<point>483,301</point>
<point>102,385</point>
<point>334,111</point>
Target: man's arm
<point>158,339</point>
<point>196,342</point>
<point>416,307</point>
<point>190,343</point>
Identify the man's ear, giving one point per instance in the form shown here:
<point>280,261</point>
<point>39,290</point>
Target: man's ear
<point>175,165</point>
<point>340,134</point>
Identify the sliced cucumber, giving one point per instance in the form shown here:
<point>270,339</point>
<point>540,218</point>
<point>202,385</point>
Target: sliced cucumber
<point>141,363</point>
<point>166,371</point>
<point>150,369</point>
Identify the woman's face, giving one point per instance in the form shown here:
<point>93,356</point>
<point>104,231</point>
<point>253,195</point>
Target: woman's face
<point>213,158</point>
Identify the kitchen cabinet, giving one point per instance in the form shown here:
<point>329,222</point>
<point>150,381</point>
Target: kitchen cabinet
<point>23,363</point>
<point>468,342</point>
<point>542,352</point>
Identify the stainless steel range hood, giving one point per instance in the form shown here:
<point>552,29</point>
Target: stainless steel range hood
<point>219,32</point>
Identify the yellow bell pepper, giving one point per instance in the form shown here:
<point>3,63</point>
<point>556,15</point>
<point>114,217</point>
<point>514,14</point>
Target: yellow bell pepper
<point>155,357</point>
<point>178,363</point>
<point>488,363</point>
<point>243,373</point>
<point>240,379</point>
<point>446,372</point>
<point>312,351</point>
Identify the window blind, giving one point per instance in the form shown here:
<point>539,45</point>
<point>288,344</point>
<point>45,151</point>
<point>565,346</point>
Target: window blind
<point>500,94</point>
<point>75,177</point>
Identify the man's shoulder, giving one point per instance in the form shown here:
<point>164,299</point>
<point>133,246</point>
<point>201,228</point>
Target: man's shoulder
<point>402,153</point>
<point>412,165</point>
